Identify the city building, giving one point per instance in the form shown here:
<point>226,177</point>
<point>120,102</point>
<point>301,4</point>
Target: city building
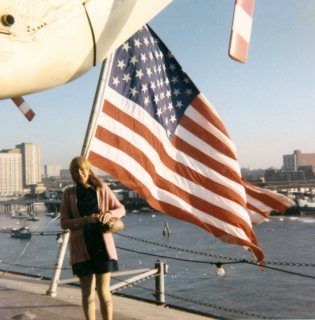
<point>31,166</point>
<point>10,173</point>
<point>51,170</point>
<point>19,169</point>
<point>298,160</point>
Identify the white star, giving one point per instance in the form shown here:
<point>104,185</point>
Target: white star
<point>134,60</point>
<point>174,80</point>
<point>168,132</point>
<point>170,55</point>
<point>121,64</point>
<point>176,92</point>
<point>168,93</point>
<point>173,118</point>
<point>172,67</point>
<point>188,92</point>
<point>126,77</point>
<point>156,98</point>
<point>166,121</point>
<point>126,46</point>
<point>139,74</point>
<point>170,107</point>
<point>153,86</point>
<point>146,41</point>
<point>146,100</point>
<point>179,104</point>
<point>137,43</point>
<point>159,112</point>
<point>133,91</point>
<point>143,57</point>
<point>116,81</point>
<point>149,72</point>
<point>144,88</point>
<point>151,56</point>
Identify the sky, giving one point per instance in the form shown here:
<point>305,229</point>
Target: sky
<point>267,104</point>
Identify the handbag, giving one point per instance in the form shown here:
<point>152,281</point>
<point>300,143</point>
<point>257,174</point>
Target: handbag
<point>113,225</point>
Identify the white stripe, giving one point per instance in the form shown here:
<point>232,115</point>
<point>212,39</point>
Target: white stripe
<point>125,161</point>
<point>140,143</point>
<point>255,217</point>
<point>242,23</point>
<point>24,108</point>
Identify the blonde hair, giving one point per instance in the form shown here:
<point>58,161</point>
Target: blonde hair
<point>80,162</point>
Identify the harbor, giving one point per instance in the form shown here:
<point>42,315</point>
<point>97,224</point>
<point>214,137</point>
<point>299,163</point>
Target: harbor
<point>193,283</point>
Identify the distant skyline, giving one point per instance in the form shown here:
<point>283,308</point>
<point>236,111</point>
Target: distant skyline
<point>267,105</point>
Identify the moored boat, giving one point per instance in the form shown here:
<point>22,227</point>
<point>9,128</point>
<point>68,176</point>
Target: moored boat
<point>21,233</point>
<point>306,206</point>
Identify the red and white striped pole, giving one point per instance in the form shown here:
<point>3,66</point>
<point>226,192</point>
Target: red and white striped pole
<point>24,108</point>
<point>241,30</point>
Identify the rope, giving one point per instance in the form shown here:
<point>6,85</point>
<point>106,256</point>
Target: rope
<point>237,260</point>
<point>203,304</point>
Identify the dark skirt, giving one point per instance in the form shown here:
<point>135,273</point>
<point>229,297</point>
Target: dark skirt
<point>99,262</point>
<point>94,267</point>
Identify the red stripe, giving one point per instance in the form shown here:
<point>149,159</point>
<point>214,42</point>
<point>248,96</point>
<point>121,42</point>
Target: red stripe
<point>133,183</point>
<point>247,5</point>
<point>18,101</point>
<point>175,166</point>
<point>29,115</point>
<point>238,48</point>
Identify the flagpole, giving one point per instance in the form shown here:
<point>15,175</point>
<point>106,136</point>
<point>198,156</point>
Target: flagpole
<point>64,239</point>
<point>97,104</point>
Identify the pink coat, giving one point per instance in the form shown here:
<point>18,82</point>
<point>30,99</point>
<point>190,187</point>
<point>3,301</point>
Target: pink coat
<point>70,219</point>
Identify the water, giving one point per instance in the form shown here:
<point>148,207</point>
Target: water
<point>245,289</point>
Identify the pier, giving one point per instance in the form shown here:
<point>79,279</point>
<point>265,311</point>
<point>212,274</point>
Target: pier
<point>24,298</point>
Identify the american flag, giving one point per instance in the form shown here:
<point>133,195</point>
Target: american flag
<point>159,136</point>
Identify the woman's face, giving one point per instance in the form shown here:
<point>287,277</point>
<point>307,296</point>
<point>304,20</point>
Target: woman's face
<point>81,174</point>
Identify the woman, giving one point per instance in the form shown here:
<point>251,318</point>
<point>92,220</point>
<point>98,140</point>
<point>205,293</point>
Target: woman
<point>93,253</point>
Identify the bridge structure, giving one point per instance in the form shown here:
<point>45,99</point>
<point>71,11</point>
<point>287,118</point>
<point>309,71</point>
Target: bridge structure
<point>12,205</point>
<point>298,186</point>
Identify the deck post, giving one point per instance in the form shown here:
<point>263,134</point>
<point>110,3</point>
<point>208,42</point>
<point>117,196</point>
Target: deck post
<point>159,281</point>
<point>52,290</point>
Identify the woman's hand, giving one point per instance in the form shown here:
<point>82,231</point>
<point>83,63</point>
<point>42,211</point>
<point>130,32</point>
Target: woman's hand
<point>93,218</point>
<point>104,217</point>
